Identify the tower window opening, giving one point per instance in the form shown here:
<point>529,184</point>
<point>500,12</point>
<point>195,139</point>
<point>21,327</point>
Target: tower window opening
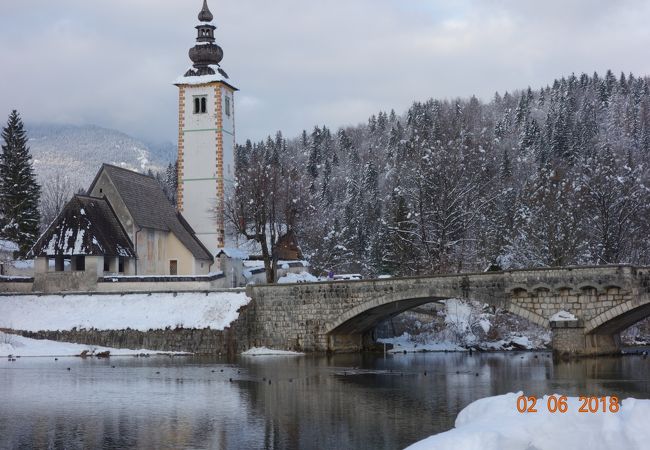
<point>200,105</point>
<point>227,108</point>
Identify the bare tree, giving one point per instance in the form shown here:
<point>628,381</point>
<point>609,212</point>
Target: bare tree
<point>55,194</point>
<point>266,201</point>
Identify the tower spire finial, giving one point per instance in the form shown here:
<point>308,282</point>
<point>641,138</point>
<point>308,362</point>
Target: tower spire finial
<point>205,53</point>
<point>205,15</point>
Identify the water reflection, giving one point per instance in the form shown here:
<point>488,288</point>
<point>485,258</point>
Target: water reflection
<point>339,402</point>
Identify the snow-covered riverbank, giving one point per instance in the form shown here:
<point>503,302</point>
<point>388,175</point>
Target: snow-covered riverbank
<point>494,423</point>
<point>458,325</point>
<point>19,346</point>
<point>263,351</point>
<point>143,312</point>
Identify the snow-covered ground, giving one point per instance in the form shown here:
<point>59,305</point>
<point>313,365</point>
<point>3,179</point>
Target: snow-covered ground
<point>263,351</point>
<point>143,312</point>
<point>494,423</point>
<point>11,344</point>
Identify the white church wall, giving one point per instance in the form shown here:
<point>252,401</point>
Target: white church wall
<point>228,138</point>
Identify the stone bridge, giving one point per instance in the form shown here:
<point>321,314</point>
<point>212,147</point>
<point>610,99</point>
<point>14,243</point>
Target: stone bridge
<point>340,316</point>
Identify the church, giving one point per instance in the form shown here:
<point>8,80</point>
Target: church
<point>124,224</point>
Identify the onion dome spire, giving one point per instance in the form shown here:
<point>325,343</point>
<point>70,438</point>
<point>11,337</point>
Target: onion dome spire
<point>205,15</point>
<point>205,53</point>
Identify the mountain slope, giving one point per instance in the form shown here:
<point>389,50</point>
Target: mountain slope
<point>77,152</point>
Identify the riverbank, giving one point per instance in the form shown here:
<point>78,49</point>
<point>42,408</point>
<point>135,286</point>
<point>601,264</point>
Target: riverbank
<point>461,325</point>
<point>14,346</point>
<point>209,323</point>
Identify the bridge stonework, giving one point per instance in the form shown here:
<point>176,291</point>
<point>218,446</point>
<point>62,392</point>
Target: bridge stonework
<point>340,316</point>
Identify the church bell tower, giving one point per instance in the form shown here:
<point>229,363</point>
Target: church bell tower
<point>206,137</point>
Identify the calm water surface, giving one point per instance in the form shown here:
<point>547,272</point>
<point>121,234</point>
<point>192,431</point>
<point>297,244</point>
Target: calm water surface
<point>338,402</point>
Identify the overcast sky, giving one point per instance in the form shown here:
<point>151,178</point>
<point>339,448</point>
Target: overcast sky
<point>300,63</point>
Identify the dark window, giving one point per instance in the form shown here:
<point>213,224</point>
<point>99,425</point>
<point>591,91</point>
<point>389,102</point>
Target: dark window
<point>200,105</point>
<point>173,267</point>
<point>121,265</point>
<point>80,263</point>
<point>228,106</point>
<point>107,264</point>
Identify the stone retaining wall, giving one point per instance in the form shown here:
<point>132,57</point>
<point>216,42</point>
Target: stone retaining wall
<point>228,342</point>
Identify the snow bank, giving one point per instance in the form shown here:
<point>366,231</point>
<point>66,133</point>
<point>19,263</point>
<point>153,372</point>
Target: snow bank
<point>494,423</point>
<point>263,351</point>
<point>142,312</point>
<point>562,316</point>
<point>405,343</point>
<point>20,346</point>
<point>303,277</point>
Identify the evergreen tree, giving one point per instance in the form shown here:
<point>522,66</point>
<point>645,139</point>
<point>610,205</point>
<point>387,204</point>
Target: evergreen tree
<point>19,191</point>
<point>171,182</point>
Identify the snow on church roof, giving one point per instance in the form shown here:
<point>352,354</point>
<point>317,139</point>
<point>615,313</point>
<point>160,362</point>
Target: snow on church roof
<point>204,79</point>
<point>86,226</point>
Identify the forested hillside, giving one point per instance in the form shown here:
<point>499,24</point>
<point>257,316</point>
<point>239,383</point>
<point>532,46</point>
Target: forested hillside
<point>535,178</point>
<point>77,152</point>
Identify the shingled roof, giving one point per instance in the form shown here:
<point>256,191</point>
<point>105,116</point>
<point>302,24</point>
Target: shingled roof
<point>150,208</point>
<point>86,226</point>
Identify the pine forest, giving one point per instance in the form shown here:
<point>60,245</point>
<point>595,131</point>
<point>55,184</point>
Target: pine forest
<point>535,178</point>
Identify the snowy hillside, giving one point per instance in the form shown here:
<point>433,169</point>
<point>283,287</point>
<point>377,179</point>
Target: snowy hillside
<point>78,151</point>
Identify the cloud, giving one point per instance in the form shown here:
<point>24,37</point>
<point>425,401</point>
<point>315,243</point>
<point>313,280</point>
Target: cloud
<point>300,63</point>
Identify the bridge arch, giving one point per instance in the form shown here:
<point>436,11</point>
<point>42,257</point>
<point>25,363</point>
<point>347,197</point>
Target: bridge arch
<point>368,315</point>
<point>620,317</point>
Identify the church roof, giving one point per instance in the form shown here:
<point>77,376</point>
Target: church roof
<point>150,208</point>
<point>86,226</point>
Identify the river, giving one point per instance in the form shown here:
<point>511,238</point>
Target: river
<point>309,402</point>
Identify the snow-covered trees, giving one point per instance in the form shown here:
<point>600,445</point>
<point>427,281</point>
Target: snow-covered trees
<point>267,199</point>
<point>547,177</point>
<point>19,191</point>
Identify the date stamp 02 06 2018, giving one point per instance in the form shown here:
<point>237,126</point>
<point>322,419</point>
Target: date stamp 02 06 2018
<point>555,404</point>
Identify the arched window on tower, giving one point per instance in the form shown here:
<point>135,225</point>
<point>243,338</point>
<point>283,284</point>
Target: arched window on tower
<point>200,104</point>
